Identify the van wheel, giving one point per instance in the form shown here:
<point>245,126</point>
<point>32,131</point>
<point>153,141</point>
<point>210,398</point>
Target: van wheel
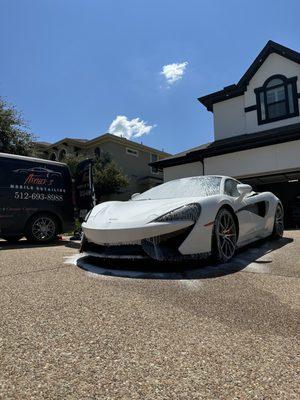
<point>12,239</point>
<point>42,228</point>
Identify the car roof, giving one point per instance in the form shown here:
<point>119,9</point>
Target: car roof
<point>32,159</point>
<point>206,176</point>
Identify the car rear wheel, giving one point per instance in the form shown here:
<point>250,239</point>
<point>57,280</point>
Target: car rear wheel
<point>42,228</point>
<point>278,223</point>
<point>224,236</point>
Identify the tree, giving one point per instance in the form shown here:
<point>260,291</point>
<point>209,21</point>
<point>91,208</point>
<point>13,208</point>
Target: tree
<point>13,136</point>
<point>72,161</point>
<point>108,177</point>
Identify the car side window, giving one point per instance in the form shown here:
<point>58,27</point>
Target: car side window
<point>231,188</point>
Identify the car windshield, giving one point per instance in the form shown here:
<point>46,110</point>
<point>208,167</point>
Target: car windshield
<point>186,187</point>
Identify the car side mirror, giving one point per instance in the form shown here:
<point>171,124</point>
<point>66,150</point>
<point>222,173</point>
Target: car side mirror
<point>134,195</point>
<point>244,189</point>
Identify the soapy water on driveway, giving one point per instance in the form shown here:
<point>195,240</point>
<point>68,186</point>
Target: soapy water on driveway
<point>263,257</point>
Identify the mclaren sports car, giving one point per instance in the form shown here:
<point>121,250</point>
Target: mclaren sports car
<point>182,219</point>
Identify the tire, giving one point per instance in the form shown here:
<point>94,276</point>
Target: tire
<point>224,240</point>
<point>42,228</point>
<point>13,238</point>
<point>278,227</point>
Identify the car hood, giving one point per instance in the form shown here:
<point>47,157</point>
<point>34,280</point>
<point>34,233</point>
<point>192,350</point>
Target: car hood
<point>135,211</point>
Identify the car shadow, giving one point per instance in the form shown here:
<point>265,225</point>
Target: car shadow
<point>201,269</point>
<point>25,244</point>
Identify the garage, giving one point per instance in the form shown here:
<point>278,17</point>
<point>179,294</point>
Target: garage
<point>287,188</point>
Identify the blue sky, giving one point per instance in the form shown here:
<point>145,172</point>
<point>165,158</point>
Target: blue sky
<point>72,66</point>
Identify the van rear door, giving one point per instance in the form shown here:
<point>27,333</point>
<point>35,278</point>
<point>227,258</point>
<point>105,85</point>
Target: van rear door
<point>84,188</point>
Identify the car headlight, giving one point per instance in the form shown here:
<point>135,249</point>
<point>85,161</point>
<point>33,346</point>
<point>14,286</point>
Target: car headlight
<point>189,212</point>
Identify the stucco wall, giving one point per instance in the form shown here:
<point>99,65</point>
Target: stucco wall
<point>229,118</point>
<point>263,160</point>
<point>133,167</point>
<point>130,164</point>
<point>183,171</point>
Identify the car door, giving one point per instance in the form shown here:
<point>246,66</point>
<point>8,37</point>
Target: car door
<point>258,205</point>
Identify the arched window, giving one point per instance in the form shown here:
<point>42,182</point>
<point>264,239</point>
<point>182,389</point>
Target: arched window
<point>62,155</point>
<point>53,157</point>
<point>277,99</point>
<point>97,152</point>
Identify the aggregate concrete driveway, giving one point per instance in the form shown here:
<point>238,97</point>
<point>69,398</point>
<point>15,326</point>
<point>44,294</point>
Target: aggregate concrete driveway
<point>66,333</point>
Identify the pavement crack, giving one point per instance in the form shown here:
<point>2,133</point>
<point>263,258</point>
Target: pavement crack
<point>269,273</point>
<point>33,272</point>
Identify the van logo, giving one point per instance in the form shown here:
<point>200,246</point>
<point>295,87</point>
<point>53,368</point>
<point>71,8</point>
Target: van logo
<point>38,175</point>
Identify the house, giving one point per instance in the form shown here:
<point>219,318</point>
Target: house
<point>256,131</point>
<point>133,158</point>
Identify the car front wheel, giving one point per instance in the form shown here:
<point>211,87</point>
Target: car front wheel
<point>224,236</point>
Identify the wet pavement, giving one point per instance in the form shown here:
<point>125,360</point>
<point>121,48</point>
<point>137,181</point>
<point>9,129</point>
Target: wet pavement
<point>79,329</point>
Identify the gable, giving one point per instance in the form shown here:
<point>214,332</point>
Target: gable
<point>231,91</point>
<point>270,48</point>
<point>274,65</point>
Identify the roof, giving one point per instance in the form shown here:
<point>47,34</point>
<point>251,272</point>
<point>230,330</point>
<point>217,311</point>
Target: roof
<point>179,158</point>
<point>66,139</point>
<point>42,143</point>
<point>183,153</point>
<point>238,89</point>
<point>233,144</point>
<point>101,138</point>
<point>124,141</point>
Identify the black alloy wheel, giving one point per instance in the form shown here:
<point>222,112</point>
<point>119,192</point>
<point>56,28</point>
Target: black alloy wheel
<point>278,223</point>
<point>42,228</point>
<point>224,236</point>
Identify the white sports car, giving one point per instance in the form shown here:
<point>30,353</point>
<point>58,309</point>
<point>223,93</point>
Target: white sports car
<point>184,218</point>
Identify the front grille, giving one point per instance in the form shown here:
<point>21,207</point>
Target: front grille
<point>128,251</point>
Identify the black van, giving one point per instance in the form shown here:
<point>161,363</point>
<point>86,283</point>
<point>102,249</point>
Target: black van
<point>35,198</point>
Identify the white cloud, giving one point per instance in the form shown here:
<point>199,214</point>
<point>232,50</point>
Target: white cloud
<point>129,129</point>
<point>174,72</point>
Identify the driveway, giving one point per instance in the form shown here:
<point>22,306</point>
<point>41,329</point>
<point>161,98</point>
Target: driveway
<point>223,332</point>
